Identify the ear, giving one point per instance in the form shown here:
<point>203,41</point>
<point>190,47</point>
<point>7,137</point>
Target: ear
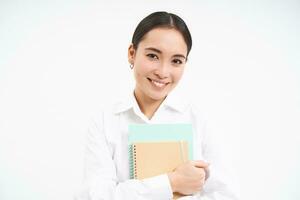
<point>131,54</point>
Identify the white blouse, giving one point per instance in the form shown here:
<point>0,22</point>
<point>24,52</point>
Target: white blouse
<point>106,158</point>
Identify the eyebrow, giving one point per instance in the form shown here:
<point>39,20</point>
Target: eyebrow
<point>159,51</point>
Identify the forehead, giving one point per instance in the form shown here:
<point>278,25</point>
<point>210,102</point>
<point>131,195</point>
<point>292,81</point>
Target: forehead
<point>168,40</point>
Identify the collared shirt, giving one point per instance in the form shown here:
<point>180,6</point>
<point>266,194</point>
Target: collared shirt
<point>107,174</point>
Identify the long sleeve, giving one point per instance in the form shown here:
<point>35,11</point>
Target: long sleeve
<point>101,181</point>
<point>220,184</point>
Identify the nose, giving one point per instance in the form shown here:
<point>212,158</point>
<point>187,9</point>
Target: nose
<point>163,71</point>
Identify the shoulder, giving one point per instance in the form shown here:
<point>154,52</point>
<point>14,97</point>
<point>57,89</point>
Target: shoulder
<point>107,111</point>
<point>196,112</point>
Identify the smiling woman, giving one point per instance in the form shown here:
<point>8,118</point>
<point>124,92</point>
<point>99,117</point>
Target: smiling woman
<point>158,63</point>
<point>157,55</point>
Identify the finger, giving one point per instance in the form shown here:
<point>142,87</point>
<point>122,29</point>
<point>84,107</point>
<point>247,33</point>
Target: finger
<point>200,172</point>
<point>200,163</point>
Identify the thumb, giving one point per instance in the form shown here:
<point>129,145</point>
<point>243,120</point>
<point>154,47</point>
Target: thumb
<point>199,163</point>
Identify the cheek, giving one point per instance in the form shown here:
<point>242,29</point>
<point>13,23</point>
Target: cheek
<point>177,75</point>
<point>140,72</point>
<point>144,68</point>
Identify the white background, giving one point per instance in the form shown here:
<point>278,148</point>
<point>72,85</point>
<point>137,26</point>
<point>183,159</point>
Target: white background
<point>61,61</point>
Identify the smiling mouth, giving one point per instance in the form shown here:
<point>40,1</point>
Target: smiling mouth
<point>158,84</point>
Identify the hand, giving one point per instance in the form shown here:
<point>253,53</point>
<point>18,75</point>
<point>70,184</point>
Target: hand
<point>189,177</point>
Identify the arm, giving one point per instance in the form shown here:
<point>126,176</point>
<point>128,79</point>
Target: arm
<point>101,181</point>
<point>220,184</point>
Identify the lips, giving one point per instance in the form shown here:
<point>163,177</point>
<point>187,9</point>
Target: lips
<point>157,83</point>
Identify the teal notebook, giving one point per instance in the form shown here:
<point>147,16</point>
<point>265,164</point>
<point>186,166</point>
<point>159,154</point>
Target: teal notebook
<point>159,133</point>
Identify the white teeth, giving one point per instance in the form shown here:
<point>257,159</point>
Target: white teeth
<point>158,84</point>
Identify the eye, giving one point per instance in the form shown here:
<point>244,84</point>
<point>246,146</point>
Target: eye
<point>152,56</point>
<point>177,61</point>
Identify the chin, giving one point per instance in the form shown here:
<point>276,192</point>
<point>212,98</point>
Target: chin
<point>158,97</point>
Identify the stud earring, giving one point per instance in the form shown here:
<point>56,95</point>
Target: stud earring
<point>131,66</point>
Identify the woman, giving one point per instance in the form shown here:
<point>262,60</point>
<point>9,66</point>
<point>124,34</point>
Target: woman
<point>159,51</point>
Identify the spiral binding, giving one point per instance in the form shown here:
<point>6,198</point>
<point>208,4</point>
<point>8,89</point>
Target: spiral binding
<point>132,162</point>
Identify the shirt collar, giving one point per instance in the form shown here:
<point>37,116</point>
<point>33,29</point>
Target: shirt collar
<point>172,101</point>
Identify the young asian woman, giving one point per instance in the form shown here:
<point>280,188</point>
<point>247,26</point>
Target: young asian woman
<point>157,56</point>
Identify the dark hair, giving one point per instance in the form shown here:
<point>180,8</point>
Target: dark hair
<point>162,19</point>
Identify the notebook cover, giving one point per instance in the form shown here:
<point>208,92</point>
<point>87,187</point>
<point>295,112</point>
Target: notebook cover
<point>161,132</point>
<point>155,158</point>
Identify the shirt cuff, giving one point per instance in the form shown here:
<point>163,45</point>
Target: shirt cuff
<point>159,186</point>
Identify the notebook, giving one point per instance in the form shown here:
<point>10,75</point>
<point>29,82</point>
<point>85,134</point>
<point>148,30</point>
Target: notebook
<point>150,159</point>
<point>160,133</point>
<point>155,158</point>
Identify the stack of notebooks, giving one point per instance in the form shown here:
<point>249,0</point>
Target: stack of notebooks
<point>156,149</point>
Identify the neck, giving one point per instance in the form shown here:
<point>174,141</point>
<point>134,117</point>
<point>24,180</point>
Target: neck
<point>147,105</point>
